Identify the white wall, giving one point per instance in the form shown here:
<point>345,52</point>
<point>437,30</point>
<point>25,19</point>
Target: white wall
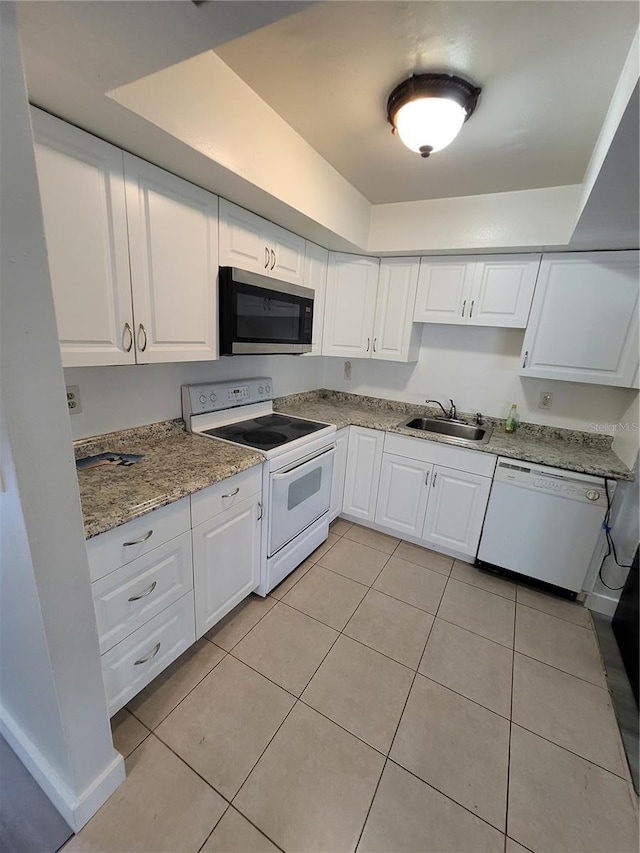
<point>478,368</point>
<point>52,706</point>
<point>115,398</point>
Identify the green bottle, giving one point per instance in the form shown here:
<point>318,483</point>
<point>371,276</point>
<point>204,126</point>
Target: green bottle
<point>512,417</point>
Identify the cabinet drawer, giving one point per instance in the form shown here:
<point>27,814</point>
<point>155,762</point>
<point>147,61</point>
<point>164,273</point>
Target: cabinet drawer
<point>133,663</point>
<point>120,546</point>
<point>225,495</point>
<point>423,450</point>
<point>127,598</point>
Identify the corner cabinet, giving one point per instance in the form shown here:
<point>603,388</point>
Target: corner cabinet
<point>252,243</point>
<point>584,320</point>
<point>489,290</point>
<point>369,308</point>
<point>132,253</point>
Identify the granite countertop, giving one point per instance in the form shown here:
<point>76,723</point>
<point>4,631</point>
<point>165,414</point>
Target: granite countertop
<point>176,463</point>
<point>572,450</point>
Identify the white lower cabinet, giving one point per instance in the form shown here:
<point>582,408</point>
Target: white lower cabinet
<point>339,472</point>
<point>226,561</point>
<point>133,663</point>
<point>403,494</point>
<point>363,473</point>
<point>455,511</point>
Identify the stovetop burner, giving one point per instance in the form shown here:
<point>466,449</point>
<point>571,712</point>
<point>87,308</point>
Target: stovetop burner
<point>258,432</point>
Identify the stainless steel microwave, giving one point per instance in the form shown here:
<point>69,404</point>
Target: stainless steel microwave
<point>259,315</point>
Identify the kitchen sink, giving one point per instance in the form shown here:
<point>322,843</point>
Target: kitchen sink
<point>456,430</point>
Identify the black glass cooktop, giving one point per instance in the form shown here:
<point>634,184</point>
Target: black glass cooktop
<point>266,432</point>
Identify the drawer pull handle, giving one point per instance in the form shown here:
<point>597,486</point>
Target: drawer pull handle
<point>233,493</point>
<point>150,656</point>
<point>145,593</point>
<point>261,511</point>
<point>140,540</point>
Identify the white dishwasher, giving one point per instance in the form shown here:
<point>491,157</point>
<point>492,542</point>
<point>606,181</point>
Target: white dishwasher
<point>543,522</point>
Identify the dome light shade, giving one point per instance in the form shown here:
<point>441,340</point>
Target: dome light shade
<point>428,110</point>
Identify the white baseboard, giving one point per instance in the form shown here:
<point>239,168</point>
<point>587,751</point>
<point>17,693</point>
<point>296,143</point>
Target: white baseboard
<point>75,809</point>
<point>601,603</point>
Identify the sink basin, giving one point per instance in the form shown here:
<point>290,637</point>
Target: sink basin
<point>456,430</point>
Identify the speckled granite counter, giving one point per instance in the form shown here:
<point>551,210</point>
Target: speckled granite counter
<point>176,463</point>
<point>573,450</point>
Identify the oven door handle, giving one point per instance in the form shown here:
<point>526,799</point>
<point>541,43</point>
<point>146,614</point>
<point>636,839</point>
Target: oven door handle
<point>300,462</point>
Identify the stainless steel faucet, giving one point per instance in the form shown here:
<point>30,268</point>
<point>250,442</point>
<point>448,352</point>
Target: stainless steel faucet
<point>451,414</point>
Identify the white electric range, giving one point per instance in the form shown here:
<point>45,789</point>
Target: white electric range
<point>296,475</point>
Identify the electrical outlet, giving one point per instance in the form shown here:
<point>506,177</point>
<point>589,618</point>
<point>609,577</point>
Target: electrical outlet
<point>347,370</point>
<point>546,400</point>
<point>73,400</point>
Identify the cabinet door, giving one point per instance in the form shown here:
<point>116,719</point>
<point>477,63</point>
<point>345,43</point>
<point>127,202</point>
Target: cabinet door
<point>363,472</point>
<point>584,319</point>
<point>403,494</point>
<point>85,222</point>
<point>315,277</point>
<point>339,471</point>
<point>444,285</point>
<point>287,255</point>
<point>243,239</point>
<point>226,562</point>
<point>502,290</point>
<point>455,511</point>
<point>350,306</point>
<point>174,264</point>
<point>395,337</point>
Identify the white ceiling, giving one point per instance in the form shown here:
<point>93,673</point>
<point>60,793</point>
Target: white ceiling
<point>547,70</point>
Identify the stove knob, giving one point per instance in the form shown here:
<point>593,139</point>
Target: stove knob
<point>261,390</point>
<point>592,495</point>
<point>268,389</point>
<point>203,399</point>
<point>212,398</point>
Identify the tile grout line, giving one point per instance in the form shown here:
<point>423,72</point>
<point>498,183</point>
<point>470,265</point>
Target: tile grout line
<point>513,667</point>
<point>589,631</point>
<point>557,669</point>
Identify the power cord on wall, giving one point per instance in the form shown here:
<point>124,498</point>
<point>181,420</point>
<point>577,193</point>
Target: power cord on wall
<point>611,548</point>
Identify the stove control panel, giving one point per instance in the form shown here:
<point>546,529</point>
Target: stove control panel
<point>207,397</point>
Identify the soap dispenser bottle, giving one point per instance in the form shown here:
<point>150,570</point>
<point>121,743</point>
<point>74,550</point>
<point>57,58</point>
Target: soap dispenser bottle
<point>512,419</point>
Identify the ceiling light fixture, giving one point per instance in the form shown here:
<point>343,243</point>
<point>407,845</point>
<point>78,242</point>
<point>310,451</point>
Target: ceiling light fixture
<point>428,110</point>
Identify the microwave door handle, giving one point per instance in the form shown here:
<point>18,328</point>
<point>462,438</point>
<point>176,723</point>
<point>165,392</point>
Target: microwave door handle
<point>330,451</point>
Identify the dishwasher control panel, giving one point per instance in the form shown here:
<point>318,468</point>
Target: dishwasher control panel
<point>553,481</point>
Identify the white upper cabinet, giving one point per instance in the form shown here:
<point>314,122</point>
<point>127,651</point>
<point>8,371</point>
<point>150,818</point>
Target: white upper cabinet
<point>369,308</point>
<point>350,305</point>
<point>132,253</point>
<point>395,337</point>
<point>584,320</point>
<point>487,290</point>
<point>442,287</point>
<point>315,276</point>
<point>252,243</point>
<point>174,264</point>
<point>85,222</point>
<point>502,290</point>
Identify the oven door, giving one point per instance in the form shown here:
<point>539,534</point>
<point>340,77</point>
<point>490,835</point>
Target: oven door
<point>262,315</point>
<point>298,496</point>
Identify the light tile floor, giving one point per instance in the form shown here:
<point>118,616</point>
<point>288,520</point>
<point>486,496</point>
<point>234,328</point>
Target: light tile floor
<point>382,698</point>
